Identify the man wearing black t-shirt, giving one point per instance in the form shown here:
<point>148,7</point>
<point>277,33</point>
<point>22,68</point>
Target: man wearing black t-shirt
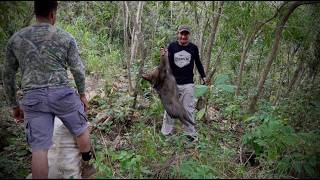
<point>182,57</point>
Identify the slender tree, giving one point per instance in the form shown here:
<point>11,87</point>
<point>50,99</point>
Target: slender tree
<point>273,53</point>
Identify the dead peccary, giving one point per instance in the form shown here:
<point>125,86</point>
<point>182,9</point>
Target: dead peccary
<point>165,84</point>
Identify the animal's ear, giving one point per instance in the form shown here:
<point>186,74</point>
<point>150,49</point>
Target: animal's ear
<point>155,73</point>
<point>146,77</point>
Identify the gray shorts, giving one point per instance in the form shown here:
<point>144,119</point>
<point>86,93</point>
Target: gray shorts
<point>40,106</point>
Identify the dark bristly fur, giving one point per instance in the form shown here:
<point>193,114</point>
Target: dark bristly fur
<point>165,84</point>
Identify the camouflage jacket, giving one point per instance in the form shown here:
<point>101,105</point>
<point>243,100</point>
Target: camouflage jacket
<point>43,52</point>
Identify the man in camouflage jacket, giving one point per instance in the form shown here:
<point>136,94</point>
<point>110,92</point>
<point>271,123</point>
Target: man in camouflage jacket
<point>43,53</point>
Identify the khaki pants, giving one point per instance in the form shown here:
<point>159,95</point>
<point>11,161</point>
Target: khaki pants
<point>187,98</point>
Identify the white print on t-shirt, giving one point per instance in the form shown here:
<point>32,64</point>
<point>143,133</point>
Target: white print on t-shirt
<point>182,58</point>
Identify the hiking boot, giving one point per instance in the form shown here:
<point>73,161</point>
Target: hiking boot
<point>192,138</point>
<point>87,170</point>
<point>191,141</point>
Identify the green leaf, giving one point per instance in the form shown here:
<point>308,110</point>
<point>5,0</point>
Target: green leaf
<point>226,88</point>
<point>200,90</point>
<point>145,170</point>
<point>310,170</point>
<point>221,79</point>
<point>201,113</point>
<point>249,118</point>
<point>161,41</point>
<point>298,166</point>
<point>22,153</point>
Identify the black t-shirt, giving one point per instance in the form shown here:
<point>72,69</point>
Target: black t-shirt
<point>182,59</point>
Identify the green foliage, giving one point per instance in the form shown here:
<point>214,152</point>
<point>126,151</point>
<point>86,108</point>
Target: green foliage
<point>223,96</point>
<point>192,169</point>
<point>156,108</point>
<point>200,114</point>
<point>129,162</point>
<point>146,151</point>
<point>14,149</point>
<point>132,162</point>
<point>121,108</point>
<point>281,147</point>
<point>302,109</point>
<point>14,16</point>
<point>10,168</point>
<point>103,170</point>
<point>296,27</point>
<point>221,84</point>
<point>200,90</point>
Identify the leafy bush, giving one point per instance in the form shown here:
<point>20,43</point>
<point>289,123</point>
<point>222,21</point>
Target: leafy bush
<point>281,147</point>
<point>193,169</point>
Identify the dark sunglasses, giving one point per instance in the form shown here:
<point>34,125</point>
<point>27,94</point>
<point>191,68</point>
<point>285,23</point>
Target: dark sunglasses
<point>184,33</point>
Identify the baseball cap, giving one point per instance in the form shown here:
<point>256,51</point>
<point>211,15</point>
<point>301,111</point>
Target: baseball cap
<point>184,28</point>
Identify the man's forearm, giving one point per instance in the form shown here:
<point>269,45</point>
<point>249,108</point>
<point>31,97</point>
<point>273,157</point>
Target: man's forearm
<point>79,77</point>
<point>80,82</point>
<point>9,76</point>
<point>199,65</point>
<point>201,70</point>
<point>9,82</point>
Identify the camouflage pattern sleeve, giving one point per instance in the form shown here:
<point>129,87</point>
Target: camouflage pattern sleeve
<point>11,66</point>
<point>76,66</point>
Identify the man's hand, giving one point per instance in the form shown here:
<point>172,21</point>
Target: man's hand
<point>17,114</point>
<point>204,81</point>
<point>84,101</point>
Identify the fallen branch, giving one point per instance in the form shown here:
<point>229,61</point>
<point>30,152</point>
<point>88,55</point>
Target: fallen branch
<point>167,164</point>
<point>100,121</point>
<point>241,154</point>
<point>103,139</point>
<point>248,158</point>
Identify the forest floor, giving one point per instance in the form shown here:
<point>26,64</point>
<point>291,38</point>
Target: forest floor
<point>129,144</point>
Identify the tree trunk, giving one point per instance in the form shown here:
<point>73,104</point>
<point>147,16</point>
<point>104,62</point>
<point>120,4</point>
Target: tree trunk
<point>295,76</point>
<point>171,9</point>
<point>279,88</point>
<point>242,62</point>
<point>134,45</point>
<point>256,76</point>
<point>273,53</point>
<point>114,19</point>
<point>296,72</point>
<point>288,62</point>
<point>215,21</point>
<point>202,22</point>
<point>201,46</point>
<point>142,49</point>
<point>143,53</point>
<point>156,23</point>
<point>290,57</point>
<point>196,33</point>
<point>126,48</point>
<point>218,61</point>
<point>125,25</point>
<point>247,43</point>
